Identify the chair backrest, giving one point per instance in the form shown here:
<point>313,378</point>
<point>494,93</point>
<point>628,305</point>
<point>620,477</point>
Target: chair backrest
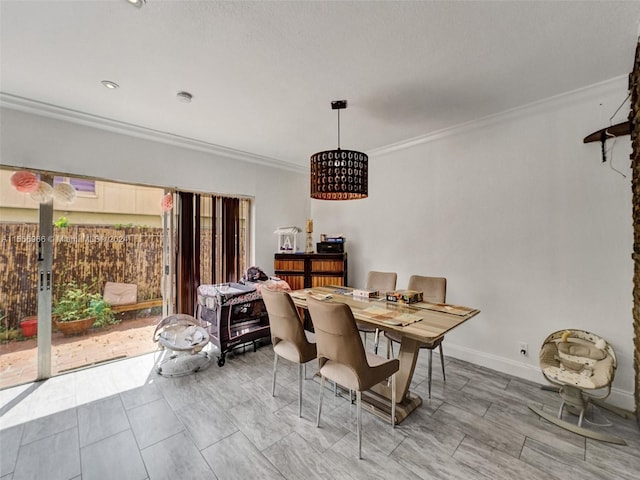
<point>285,324</point>
<point>337,336</point>
<point>381,281</point>
<point>434,289</point>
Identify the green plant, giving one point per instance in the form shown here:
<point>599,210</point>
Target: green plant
<point>62,222</point>
<point>120,226</point>
<point>78,302</point>
<point>9,335</point>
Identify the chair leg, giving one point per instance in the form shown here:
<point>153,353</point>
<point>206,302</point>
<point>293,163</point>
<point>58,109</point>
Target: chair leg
<point>430,358</point>
<point>320,399</point>
<point>376,340</point>
<point>444,378</point>
<point>393,401</point>
<point>275,365</point>
<point>581,417</point>
<point>561,409</point>
<point>300,376</point>
<point>359,421</point>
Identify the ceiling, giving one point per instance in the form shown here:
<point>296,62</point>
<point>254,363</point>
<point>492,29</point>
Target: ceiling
<point>263,74</point>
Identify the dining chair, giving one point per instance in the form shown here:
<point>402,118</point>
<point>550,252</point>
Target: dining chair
<point>343,359</point>
<point>383,282</point>
<point>434,290</point>
<point>289,339</point>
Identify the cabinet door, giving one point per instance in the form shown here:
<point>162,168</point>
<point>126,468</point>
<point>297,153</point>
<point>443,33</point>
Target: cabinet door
<point>291,270</point>
<point>289,265</point>
<point>327,271</point>
<point>321,281</point>
<point>296,282</point>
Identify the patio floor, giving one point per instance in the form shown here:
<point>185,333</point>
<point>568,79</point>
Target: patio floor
<point>129,338</point>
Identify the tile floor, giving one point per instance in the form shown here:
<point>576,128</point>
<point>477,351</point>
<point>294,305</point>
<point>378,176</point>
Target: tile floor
<point>123,421</point>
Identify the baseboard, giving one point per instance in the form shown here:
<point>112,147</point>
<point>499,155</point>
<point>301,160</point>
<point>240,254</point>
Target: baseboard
<point>619,398</point>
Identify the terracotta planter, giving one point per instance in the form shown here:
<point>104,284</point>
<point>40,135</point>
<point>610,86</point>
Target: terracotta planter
<point>29,326</point>
<point>74,327</point>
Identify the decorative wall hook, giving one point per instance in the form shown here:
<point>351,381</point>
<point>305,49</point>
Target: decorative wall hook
<point>602,135</point>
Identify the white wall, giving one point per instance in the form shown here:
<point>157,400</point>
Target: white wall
<point>34,141</point>
<point>521,217</point>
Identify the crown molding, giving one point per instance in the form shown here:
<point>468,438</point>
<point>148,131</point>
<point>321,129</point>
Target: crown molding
<point>34,107</point>
<point>566,98</point>
<point>52,111</point>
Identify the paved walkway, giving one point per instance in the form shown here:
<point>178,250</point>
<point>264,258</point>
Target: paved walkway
<point>18,360</point>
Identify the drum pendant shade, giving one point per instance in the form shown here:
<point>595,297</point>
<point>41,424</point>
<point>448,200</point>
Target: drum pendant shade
<point>339,174</point>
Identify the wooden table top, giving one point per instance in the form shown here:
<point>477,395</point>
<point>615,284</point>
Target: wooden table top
<point>421,321</point>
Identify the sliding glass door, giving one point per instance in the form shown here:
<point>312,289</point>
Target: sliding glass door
<point>102,252</point>
<point>136,248</point>
<point>25,284</point>
<point>44,279</point>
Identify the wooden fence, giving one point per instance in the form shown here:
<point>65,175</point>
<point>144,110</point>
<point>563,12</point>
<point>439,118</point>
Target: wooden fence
<point>87,254</point>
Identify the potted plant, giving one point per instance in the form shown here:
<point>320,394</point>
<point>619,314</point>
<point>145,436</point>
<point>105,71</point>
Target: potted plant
<point>78,309</point>
<point>29,326</point>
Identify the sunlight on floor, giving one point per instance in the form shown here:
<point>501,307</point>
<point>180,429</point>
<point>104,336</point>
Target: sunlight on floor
<point>27,402</point>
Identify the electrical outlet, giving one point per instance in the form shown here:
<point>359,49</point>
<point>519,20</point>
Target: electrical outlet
<point>523,349</point>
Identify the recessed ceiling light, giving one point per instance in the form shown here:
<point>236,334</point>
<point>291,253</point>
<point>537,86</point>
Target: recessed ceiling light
<point>110,84</point>
<point>137,3</point>
<point>184,97</point>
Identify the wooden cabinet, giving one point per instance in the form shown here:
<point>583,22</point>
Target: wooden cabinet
<point>306,270</point>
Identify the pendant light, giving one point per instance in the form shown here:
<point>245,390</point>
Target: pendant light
<point>339,174</point>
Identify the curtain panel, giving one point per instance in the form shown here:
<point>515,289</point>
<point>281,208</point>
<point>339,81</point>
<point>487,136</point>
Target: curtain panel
<point>187,261</point>
<point>230,239</point>
<point>210,247</point>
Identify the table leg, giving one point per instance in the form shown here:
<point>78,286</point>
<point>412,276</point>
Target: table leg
<point>378,399</point>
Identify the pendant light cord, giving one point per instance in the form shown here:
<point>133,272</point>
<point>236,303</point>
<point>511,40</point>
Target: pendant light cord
<point>338,129</point>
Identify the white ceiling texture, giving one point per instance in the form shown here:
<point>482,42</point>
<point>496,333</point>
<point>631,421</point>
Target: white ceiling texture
<point>263,74</point>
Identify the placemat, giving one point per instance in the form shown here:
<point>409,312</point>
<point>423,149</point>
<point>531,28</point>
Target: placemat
<point>390,316</point>
<point>317,296</point>
<point>445,308</point>
<point>300,295</point>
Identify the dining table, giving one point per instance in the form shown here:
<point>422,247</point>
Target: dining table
<point>416,323</point>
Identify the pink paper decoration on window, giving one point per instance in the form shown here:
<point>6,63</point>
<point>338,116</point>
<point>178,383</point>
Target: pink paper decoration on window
<point>167,202</point>
<point>25,182</point>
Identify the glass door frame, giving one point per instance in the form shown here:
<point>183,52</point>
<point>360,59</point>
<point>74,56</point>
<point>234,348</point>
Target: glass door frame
<point>45,284</point>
